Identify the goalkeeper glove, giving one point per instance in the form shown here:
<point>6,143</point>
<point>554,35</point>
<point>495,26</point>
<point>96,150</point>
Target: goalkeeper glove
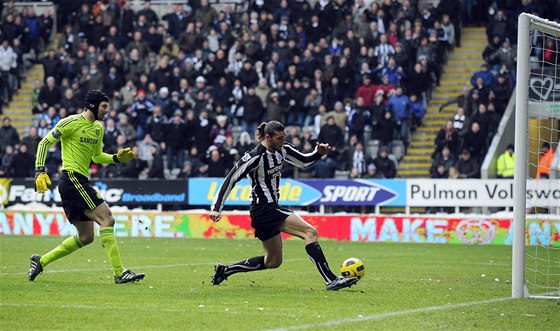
<point>124,155</point>
<point>42,180</point>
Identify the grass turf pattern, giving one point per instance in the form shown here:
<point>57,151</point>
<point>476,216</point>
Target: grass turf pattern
<point>407,286</point>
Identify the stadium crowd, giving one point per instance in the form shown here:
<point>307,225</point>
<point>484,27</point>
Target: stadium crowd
<point>189,88</point>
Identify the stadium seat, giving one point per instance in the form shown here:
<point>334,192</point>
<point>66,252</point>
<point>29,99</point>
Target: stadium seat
<point>372,151</point>
<point>393,158</point>
<point>373,142</point>
<point>398,149</point>
<point>367,133</point>
<point>341,174</point>
<point>236,132</point>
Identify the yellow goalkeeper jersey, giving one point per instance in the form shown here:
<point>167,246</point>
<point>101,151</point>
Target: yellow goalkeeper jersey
<point>81,142</point>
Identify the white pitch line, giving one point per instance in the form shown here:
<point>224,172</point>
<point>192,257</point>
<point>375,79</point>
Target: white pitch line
<point>133,267</point>
<point>388,314</point>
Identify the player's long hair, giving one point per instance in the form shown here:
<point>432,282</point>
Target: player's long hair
<point>269,128</point>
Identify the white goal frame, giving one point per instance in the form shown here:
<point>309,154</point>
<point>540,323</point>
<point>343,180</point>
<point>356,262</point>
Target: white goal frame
<point>525,23</point>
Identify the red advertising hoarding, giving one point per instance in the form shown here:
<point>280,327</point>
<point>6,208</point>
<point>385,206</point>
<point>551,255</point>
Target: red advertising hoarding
<point>367,228</point>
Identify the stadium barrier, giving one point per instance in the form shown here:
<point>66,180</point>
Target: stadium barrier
<point>540,230</point>
<point>199,193</point>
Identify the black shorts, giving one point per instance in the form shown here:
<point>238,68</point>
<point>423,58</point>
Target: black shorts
<point>77,195</point>
<point>268,219</point>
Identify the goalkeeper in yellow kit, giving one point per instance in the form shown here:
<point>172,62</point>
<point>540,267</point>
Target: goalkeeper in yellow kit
<point>81,139</point>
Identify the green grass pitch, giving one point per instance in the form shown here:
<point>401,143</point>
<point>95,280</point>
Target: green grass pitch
<point>405,287</point>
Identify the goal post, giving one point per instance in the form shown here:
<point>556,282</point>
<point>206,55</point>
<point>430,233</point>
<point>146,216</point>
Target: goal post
<point>535,268</point>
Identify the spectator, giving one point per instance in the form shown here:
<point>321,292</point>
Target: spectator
<point>418,82</point>
<point>445,157</point>
<point>31,141</point>
<point>475,142</point>
<point>198,167</point>
<point>366,91</point>
<point>331,134</point>
<point>467,167</point>
<point>489,53</point>
<point>498,26</point>
<point>186,171</point>
<point>43,128</point>
<point>385,166</point>
<point>386,129</point>
<point>461,100</point>
<point>297,95</point>
<point>6,161</point>
<point>132,168</point>
<point>22,164</point>
<point>252,110</point>
<point>70,102</point>
<point>284,52</point>
<point>440,172</point>
<point>8,66</point>
<point>110,136</point>
<point>545,160</point>
<point>245,143</point>
<point>177,21</point>
<point>126,129</point>
<point>141,110</point>
<point>156,125</point>
<point>276,111</point>
<point>372,171</point>
<point>417,110</point>
<point>453,173</point>
<point>506,55</point>
<point>339,115</point>
<point>176,141</point>
<point>145,149</point>
<point>8,134</point>
<point>358,119</point>
<point>326,167</point>
<point>485,74</point>
<point>51,117</point>
<point>401,107</point>
<point>358,158</point>
<point>505,163</point>
<point>52,65</point>
<point>459,120</point>
<point>216,164</point>
<point>50,94</point>
<point>156,170</point>
<point>148,13</point>
<point>500,93</point>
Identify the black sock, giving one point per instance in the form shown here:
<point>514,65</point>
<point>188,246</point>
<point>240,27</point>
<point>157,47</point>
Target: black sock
<point>316,255</point>
<point>251,264</point>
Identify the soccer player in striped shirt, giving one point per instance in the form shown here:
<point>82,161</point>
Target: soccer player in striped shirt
<point>263,167</point>
<point>81,139</point>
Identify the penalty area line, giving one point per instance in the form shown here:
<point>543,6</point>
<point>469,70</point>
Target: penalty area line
<point>388,314</point>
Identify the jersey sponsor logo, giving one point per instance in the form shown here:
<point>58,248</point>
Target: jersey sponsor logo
<point>57,134</point>
<point>274,171</point>
<point>87,140</point>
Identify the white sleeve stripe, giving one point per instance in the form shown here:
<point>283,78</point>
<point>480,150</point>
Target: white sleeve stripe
<point>230,181</point>
<point>298,158</point>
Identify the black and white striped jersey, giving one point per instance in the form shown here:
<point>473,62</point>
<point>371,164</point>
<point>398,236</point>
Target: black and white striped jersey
<point>263,169</point>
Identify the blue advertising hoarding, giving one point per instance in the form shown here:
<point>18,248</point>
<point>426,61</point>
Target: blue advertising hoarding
<point>308,192</point>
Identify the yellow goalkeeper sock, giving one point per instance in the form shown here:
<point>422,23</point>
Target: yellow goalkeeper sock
<point>109,243</point>
<point>68,246</point>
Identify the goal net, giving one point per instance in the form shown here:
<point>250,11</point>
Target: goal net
<point>536,233</point>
